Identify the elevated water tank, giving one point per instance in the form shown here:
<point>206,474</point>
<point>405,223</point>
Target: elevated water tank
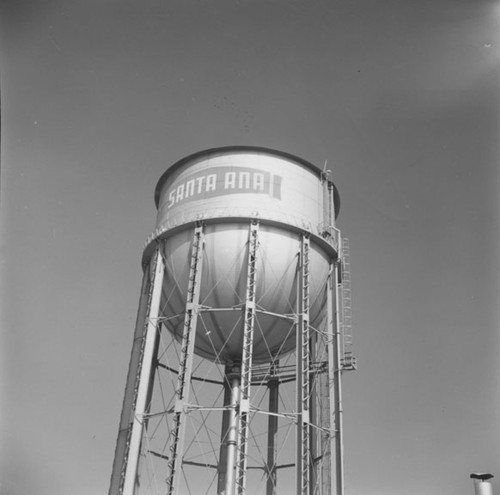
<point>228,189</point>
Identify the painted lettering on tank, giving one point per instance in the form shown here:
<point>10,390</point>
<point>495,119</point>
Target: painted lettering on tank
<point>220,181</point>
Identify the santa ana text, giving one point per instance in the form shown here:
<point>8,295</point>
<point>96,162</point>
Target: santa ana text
<point>219,182</point>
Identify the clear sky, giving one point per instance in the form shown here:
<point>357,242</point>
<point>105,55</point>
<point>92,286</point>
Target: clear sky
<point>401,98</point>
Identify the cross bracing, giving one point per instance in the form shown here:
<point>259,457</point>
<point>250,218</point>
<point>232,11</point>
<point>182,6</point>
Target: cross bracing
<point>184,448</point>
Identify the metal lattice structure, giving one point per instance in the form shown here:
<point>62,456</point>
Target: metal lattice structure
<point>234,383</point>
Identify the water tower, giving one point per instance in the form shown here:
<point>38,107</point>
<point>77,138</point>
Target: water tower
<point>242,333</point>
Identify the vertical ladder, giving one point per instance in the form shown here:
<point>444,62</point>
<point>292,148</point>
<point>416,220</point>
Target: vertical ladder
<point>348,359</point>
<point>303,366</point>
<point>327,226</point>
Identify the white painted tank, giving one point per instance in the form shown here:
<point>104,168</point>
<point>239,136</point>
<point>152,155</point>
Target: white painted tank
<point>227,189</point>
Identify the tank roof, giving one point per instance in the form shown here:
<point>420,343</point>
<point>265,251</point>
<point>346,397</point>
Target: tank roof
<point>241,149</point>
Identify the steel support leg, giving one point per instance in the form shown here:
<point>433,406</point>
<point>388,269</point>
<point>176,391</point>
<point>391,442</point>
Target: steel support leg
<point>246,360</point>
<point>303,366</point>
<point>325,473</point>
<point>186,363</point>
<point>139,381</point>
<point>272,431</point>
<point>313,417</point>
<point>232,435</point>
<point>335,376</point>
<point>123,440</point>
<point>222,470</point>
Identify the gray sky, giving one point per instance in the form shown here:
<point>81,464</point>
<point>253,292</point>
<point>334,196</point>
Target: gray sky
<point>401,98</point>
